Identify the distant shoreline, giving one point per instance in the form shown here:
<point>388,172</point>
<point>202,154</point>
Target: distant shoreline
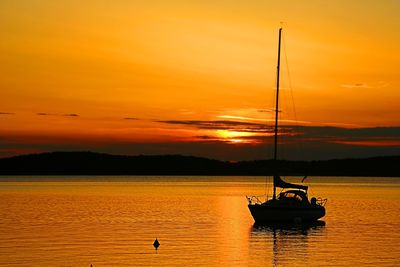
<point>90,163</point>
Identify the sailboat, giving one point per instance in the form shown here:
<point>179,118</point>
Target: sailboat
<point>292,203</point>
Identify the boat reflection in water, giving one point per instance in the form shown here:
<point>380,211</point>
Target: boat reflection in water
<point>290,243</point>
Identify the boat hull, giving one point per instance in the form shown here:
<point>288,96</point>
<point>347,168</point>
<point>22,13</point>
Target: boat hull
<point>264,214</point>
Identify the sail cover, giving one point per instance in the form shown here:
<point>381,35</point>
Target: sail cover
<point>278,182</point>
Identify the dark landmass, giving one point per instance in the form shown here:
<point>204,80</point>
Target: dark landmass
<point>89,163</point>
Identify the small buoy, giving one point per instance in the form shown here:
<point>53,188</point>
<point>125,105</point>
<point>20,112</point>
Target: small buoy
<point>156,244</point>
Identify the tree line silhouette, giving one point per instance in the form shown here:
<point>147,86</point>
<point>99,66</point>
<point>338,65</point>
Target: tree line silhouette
<point>90,163</point>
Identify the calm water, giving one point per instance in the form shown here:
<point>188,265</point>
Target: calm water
<point>199,221</point>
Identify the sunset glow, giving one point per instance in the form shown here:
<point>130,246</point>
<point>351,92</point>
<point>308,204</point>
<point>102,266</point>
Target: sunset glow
<point>233,137</point>
<point>156,77</point>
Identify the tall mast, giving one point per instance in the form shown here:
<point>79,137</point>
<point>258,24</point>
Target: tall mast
<point>277,98</point>
<point>277,110</point>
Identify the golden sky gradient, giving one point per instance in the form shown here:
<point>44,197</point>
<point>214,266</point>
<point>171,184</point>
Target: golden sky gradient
<point>98,72</point>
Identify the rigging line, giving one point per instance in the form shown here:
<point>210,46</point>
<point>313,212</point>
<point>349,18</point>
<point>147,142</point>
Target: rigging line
<point>291,93</point>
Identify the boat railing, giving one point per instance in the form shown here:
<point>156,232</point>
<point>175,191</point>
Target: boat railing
<point>322,201</point>
<point>256,199</point>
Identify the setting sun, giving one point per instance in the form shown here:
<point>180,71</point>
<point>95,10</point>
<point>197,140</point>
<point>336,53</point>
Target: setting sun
<point>235,137</point>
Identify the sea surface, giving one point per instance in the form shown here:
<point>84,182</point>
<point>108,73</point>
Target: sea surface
<point>199,221</point>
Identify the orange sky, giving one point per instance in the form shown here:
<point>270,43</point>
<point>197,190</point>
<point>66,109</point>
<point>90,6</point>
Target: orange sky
<point>180,61</point>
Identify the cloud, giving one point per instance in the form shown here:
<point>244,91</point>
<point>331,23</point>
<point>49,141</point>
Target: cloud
<point>337,132</point>
<point>357,85</point>
<point>206,137</point>
<point>7,113</point>
<point>222,125</point>
<point>54,114</point>
<point>380,84</point>
<point>230,125</point>
<point>304,130</point>
<point>131,118</point>
<point>372,142</point>
<point>261,133</point>
<point>240,118</point>
<point>378,137</point>
<point>339,124</point>
<point>266,110</point>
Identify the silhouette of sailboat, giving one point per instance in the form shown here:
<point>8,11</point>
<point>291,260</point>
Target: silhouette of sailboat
<point>290,205</point>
